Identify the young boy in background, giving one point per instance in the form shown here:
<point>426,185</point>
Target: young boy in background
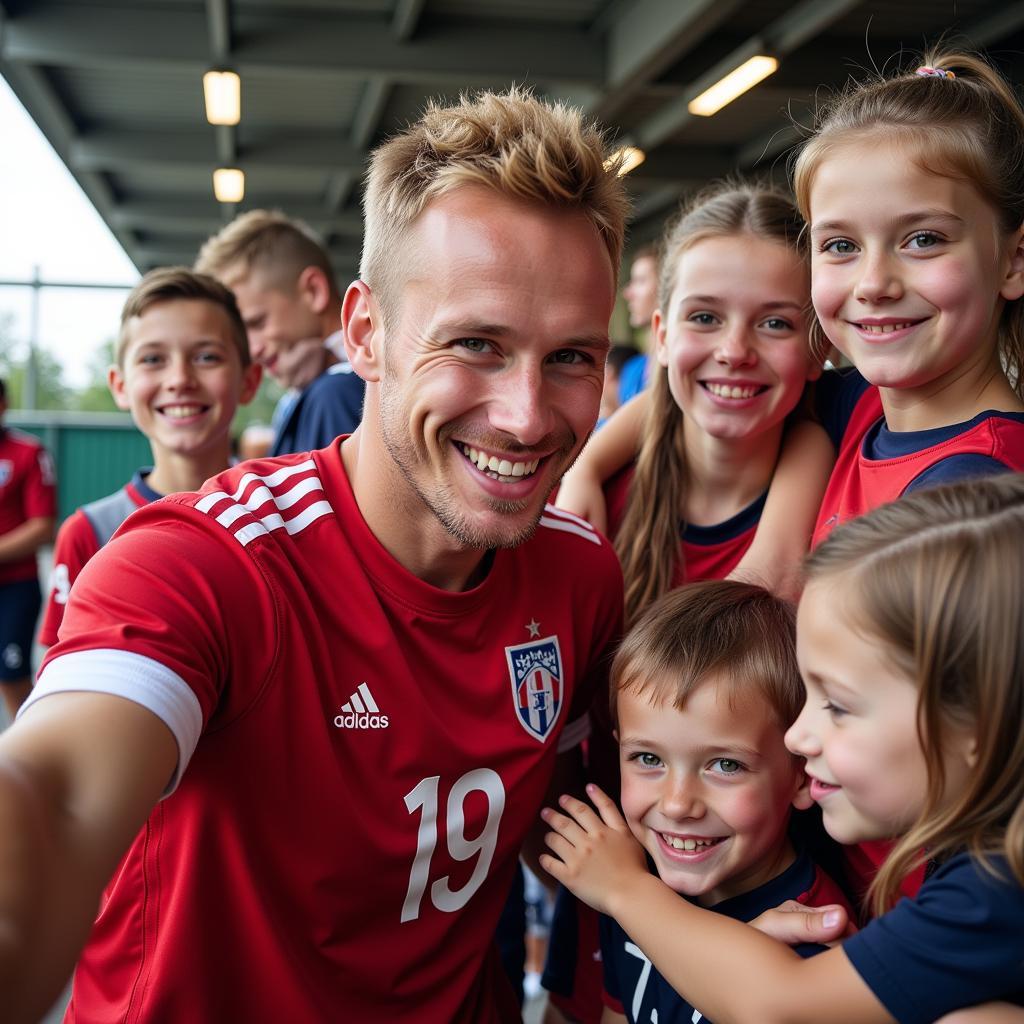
<point>704,688</point>
<point>182,368</point>
<point>28,507</point>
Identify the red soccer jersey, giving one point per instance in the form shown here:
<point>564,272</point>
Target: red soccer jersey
<point>362,753</point>
<point>28,490</point>
<point>860,483</point>
<point>705,552</point>
<point>77,542</point>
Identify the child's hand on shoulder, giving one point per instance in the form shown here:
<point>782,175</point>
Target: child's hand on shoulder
<point>582,494</point>
<point>594,854</point>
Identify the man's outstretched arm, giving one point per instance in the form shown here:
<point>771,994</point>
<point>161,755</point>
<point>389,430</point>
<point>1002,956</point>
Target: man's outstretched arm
<point>79,774</point>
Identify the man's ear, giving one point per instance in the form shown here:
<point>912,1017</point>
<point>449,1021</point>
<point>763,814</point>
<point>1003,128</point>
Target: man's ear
<point>363,330</point>
<point>802,797</point>
<point>315,289</point>
<point>115,381</point>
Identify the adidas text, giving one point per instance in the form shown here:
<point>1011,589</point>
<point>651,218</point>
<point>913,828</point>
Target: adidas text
<point>354,721</point>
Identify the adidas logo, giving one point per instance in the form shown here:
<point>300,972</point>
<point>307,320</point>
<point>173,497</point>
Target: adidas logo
<point>361,712</point>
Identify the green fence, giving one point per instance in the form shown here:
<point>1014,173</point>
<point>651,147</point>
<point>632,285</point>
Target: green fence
<point>95,453</point>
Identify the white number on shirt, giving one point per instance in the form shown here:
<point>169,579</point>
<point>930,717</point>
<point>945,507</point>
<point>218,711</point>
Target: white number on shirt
<point>60,580</point>
<point>460,848</point>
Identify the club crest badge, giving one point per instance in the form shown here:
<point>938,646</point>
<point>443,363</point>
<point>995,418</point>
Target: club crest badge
<point>6,471</point>
<point>535,669</point>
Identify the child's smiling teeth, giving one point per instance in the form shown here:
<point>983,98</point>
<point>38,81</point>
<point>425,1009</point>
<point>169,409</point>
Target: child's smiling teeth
<point>181,412</point>
<point>677,843</point>
<point>499,469</point>
<point>885,328</point>
<point>732,390</point>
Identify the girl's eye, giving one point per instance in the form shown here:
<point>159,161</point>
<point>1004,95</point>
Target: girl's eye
<point>646,759</point>
<point>703,319</point>
<point>839,247</point>
<point>776,323</point>
<point>727,766</point>
<point>923,240</point>
<point>834,709</point>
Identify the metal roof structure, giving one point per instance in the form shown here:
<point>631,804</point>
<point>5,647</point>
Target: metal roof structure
<point>116,86</point>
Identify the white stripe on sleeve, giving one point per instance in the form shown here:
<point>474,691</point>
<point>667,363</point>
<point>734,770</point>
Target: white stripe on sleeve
<point>136,678</point>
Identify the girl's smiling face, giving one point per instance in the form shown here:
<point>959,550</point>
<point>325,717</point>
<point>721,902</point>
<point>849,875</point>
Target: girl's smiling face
<point>910,269</point>
<point>734,336</point>
<point>858,727</point>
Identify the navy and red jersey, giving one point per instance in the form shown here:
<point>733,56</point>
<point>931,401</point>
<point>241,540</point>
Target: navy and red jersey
<point>705,552</point>
<point>876,465</point>
<point>634,987</point>
<point>28,490</point>
<point>81,535</point>
<point>361,753</point>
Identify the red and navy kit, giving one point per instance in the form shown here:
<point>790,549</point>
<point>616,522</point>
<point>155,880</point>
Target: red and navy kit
<point>361,753</point>
<point>633,986</point>
<point>959,942</point>
<point>876,465</point>
<point>82,534</point>
<point>705,552</point>
<point>28,490</point>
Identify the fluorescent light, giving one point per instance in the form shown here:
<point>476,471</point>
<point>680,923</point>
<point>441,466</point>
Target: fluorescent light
<point>631,158</point>
<point>737,82</point>
<point>228,184</point>
<point>223,93</point>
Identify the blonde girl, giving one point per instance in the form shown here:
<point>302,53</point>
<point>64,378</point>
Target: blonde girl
<point>910,638</point>
<point>730,335</point>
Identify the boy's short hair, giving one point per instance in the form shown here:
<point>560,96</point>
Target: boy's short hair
<point>276,245</point>
<point>740,633</point>
<point>168,283</point>
<point>511,142</point>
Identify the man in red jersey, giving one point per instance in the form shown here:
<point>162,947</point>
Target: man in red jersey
<point>28,505</point>
<point>299,724</point>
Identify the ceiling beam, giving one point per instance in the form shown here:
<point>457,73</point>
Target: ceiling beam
<point>109,151</point>
<point>371,109</point>
<point>800,24</point>
<point>145,39</point>
<point>647,37</point>
<point>406,18</point>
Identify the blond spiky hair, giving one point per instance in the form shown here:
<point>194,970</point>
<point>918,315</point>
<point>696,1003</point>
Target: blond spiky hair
<point>511,142</point>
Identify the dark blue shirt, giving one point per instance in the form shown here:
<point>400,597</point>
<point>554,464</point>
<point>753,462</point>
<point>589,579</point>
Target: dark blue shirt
<point>958,943</point>
<point>329,406</point>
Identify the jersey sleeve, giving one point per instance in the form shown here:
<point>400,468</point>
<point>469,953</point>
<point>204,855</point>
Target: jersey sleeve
<point>959,943</point>
<point>170,615</point>
<point>75,545</point>
<point>836,394</point>
<point>966,466</point>
<point>40,495</point>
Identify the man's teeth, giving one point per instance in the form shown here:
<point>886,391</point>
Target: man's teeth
<point>885,328</point>
<point>688,844</point>
<point>731,390</point>
<point>503,469</point>
<point>180,412</point>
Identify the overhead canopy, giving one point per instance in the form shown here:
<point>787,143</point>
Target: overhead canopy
<point>116,86</point>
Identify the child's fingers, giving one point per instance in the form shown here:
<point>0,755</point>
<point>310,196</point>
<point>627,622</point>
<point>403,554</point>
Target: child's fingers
<point>606,807</point>
<point>563,825</point>
<point>582,812</point>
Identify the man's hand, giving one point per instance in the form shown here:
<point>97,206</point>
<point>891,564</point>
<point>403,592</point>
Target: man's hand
<point>596,855</point>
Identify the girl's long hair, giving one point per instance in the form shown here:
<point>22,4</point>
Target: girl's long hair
<point>970,128</point>
<point>648,539</point>
<point>936,577</point>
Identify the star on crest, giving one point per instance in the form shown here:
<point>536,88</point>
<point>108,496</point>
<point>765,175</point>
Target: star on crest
<point>534,627</point>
